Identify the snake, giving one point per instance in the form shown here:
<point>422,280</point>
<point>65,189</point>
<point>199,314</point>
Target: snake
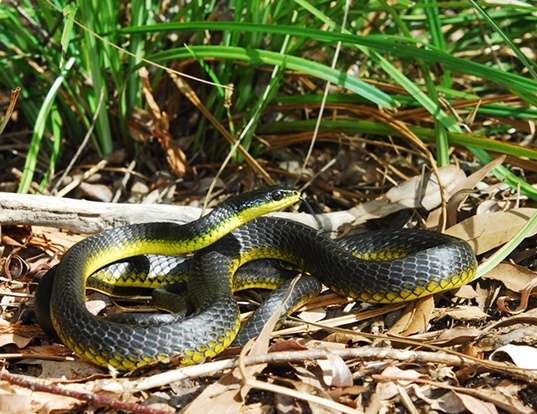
<point>386,266</point>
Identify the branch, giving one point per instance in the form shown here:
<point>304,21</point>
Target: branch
<point>362,353</point>
<point>90,217</point>
<point>94,399</point>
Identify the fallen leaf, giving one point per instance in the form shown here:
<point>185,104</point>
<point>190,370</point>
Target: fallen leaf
<point>465,292</point>
<point>287,345</point>
<point>401,374</point>
<point>487,231</point>
<point>523,356</point>
<point>448,402</point>
<point>335,372</point>
<point>457,335</point>
<point>64,370</point>
<point>476,406</point>
<point>419,191</point>
<point>11,338</point>
<point>462,313</point>
<point>415,317</point>
<point>312,315</point>
<point>326,345</point>
<point>460,192</point>
<point>18,400</point>
<point>513,276</point>
<point>99,192</point>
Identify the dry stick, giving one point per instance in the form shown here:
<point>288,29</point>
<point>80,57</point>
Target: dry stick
<point>15,294</point>
<point>94,399</point>
<point>521,373</point>
<point>90,217</point>
<point>11,107</point>
<point>124,181</point>
<point>77,181</point>
<point>362,353</point>
<point>43,357</point>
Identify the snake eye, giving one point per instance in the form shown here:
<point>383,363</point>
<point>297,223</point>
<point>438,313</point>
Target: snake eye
<point>277,195</point>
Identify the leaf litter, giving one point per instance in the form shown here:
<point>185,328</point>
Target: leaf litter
<point>470,325</point>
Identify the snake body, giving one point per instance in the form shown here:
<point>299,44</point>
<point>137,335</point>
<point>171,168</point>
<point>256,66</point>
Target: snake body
<point>383,267</point>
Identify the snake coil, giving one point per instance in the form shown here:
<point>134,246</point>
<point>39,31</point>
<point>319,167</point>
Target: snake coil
<point>377,267</point>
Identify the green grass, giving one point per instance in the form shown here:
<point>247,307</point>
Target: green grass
<point>435,52</point>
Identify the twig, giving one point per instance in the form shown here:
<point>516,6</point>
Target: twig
<point>44,357</point>
<point>124,181</point>
<point>90,217</point>
<point>11,107</point>
<point>15,294</point>
<point>362,353</point>
<point>77,181</point>
<point>94,399</point>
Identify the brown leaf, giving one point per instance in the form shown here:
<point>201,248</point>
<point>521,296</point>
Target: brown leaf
<point>99,192</point>
<point>513,276</point>
<point>459,193</point>
<point>287,345</point>
<point>487,231</point>
<point>448,402</point>
<point>312,315</point>
<point>415,317</point>
<point>465,292</point>
<point>12,338</point>
<point>463,313</point>
<point>18,400</point>
<point>457,335</point>
<point>410,194</point>
<point>174,155</point>
<point>65,370</point>
<point>475,406</point>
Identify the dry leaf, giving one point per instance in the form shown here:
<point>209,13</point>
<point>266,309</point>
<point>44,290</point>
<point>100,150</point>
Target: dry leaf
<point>475,406</point>
<point>335,372</point>
<point>448,402</point>
<point>401,374</point>
<point>523,356</point>
<point>409,194</point>
<point>513,276</point>
<point>487,231</point>
<point>458,194</point>
<point>312,315</point>
<point>465,292</point>
<point>415,317</point>
<point>11,338</point>
<point>457,335</point>
<point>99,192</point>
<point>64,370</point>
<point>307,376</point>
<point>383,391</point>
<point>463,313</point>
<point>288,345</point>
<point>18,400</point>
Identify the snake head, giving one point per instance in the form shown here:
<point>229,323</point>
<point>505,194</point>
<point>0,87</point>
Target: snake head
<point>258,202</point>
